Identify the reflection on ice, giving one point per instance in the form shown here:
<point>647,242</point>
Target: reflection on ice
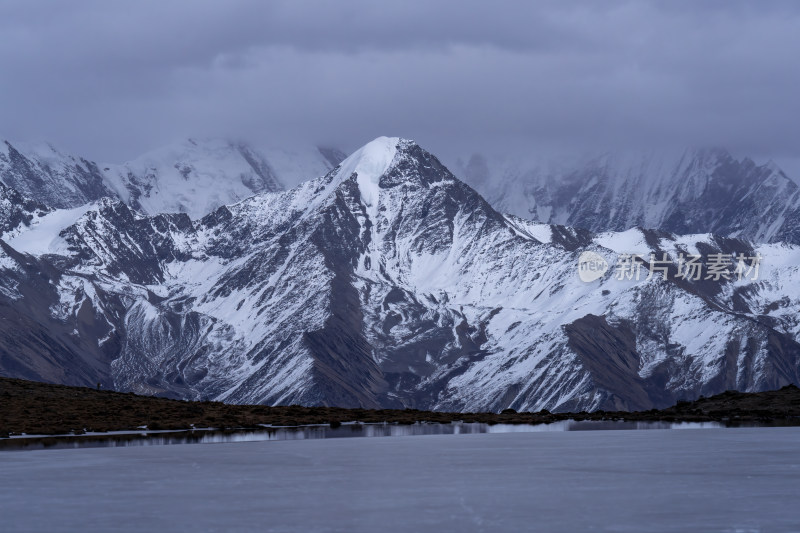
<point>593,425</point>
<point>206,436</point>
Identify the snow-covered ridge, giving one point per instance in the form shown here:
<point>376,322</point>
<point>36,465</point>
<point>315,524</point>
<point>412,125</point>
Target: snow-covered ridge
<point>385,282</point>
<point>193,176</point>
<point>680,191</point>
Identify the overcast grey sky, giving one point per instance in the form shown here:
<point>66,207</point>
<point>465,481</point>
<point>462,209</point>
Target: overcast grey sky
<point>112,79</point>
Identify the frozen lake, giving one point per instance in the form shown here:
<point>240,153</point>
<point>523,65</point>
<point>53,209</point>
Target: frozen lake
<point>726,480</point>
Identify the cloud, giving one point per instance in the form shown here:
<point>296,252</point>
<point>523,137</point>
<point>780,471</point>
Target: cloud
<point>110,80</point>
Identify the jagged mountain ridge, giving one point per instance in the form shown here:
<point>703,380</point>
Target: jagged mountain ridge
<point>193,176</point>
<point>386,282</point>
<point>17,210</point>
<point>690,191</point>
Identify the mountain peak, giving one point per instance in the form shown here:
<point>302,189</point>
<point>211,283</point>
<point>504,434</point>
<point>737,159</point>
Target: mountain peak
<point>373,159</point>
<point>369,163</point>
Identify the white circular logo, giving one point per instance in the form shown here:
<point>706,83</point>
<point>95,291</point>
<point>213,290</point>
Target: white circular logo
<point>591,266</point>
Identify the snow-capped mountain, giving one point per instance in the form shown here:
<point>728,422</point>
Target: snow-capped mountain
<point>693,191</point>
<point>386,282</point>
<point>44,174</point>
<point>192,176</point>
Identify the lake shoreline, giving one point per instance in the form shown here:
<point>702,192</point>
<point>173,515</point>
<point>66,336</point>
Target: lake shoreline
<point>34,408</point>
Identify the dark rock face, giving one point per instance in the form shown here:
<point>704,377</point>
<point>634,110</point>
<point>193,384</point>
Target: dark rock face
<point>609,355</point>
<point>385,283</point>
<point>332,155</point>
<point>264,179</point>
<point>36,345</point>
<point>17,210</point>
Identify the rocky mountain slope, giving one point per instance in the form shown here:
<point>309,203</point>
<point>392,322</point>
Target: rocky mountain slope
<point>693,191</point>
<point>386,282</point>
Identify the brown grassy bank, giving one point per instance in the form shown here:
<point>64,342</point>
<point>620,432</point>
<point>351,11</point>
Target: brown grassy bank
<point>41,408</point>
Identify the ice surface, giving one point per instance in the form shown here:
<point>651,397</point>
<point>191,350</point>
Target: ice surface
<point>692,480</point>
